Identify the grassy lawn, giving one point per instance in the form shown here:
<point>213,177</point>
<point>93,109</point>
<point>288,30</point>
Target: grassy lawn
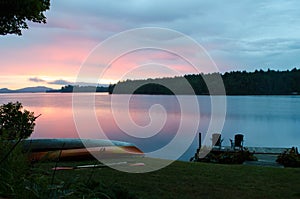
<point>194,180</point>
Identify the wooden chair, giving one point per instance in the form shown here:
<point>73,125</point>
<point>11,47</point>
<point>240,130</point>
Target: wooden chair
<point>216,140</point>
<point>238,142</point>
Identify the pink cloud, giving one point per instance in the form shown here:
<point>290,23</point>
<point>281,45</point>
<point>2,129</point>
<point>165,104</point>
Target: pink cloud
<point>166,64</point>
<point>60,58</point>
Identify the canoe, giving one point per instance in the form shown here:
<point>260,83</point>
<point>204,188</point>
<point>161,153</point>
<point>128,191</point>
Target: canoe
<point>78,149</point>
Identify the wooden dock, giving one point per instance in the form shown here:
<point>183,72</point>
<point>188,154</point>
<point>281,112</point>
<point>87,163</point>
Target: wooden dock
<point>266,155</point>
<point>268,160</point>
<point>266,150</point>
<point>255,150</point>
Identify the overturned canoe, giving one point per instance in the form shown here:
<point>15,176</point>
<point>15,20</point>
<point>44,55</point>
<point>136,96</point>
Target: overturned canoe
<point>78,149</point>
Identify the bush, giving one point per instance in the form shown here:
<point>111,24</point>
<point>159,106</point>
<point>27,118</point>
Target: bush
<point>15,123</point>
<point>289,158</point>
<point>228,157</point>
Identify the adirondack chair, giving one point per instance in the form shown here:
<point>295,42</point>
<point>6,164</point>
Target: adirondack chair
<point>216,140</point>
<point>238,142</point>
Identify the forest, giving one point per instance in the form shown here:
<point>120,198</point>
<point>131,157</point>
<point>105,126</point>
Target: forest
<point>79,89</point>
<point>259,82</point>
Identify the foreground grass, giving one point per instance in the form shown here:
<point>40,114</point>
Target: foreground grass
<point>194,180</point>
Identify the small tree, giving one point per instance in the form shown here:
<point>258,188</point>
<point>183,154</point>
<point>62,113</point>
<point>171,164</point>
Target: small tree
<point>15,123</point>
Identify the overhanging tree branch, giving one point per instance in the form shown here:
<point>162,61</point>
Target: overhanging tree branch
<point>14,14</point>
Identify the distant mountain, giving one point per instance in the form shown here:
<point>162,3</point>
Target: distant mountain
<point>5,90</point>
<point>37,89</point>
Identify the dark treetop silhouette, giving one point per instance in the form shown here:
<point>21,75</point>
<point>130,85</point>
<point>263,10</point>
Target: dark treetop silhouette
<point>259,82</point>
<point>14,14</point>
<point>15,123</point>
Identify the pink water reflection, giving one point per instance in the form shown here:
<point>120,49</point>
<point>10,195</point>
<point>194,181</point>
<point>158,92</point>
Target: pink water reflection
<point>55,122</point>
<point>264,120</point>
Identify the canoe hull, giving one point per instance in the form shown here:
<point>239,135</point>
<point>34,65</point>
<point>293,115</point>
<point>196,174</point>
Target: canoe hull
<point>78,149</point>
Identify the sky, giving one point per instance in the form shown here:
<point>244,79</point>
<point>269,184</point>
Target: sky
<point>237,35</point>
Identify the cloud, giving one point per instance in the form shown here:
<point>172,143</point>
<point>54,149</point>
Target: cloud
<point>132,10</point>
<point>60,82</point>
<point>36,79</point>
<point>239,35</point>
<point>65,82</point>
<point>235,31</point>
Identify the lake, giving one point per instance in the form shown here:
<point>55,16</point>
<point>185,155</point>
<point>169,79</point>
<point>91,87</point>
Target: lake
<point>270,121</point>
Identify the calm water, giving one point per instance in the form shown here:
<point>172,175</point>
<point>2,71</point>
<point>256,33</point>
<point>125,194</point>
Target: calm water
<point>264,120</point>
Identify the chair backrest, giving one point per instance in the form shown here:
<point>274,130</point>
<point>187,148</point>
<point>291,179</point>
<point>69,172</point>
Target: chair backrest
<point>238,140</point>
<point>216,139</point>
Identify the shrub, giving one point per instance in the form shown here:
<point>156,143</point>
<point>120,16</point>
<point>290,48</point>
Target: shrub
<point>228,157</point>
<point>289,158</point>
<point>15,123</point>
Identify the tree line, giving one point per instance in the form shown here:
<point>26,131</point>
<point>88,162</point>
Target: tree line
<point>259,82</point>
<point>76,88</point>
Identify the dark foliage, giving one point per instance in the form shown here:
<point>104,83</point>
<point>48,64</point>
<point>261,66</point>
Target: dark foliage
<point>228,157</point>
<point>289,158</point>
<point>236,83</point>
<point>70,89</point>
<point>14,14</point>
<point>15,123</point>
<point>153,89</point>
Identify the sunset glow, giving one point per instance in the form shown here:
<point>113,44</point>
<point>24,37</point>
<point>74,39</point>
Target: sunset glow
<point>52,54</point>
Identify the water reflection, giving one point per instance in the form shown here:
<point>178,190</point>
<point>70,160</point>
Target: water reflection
<point>264,120</point>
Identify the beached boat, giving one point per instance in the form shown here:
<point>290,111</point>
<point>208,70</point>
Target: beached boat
<point>78,149</point>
